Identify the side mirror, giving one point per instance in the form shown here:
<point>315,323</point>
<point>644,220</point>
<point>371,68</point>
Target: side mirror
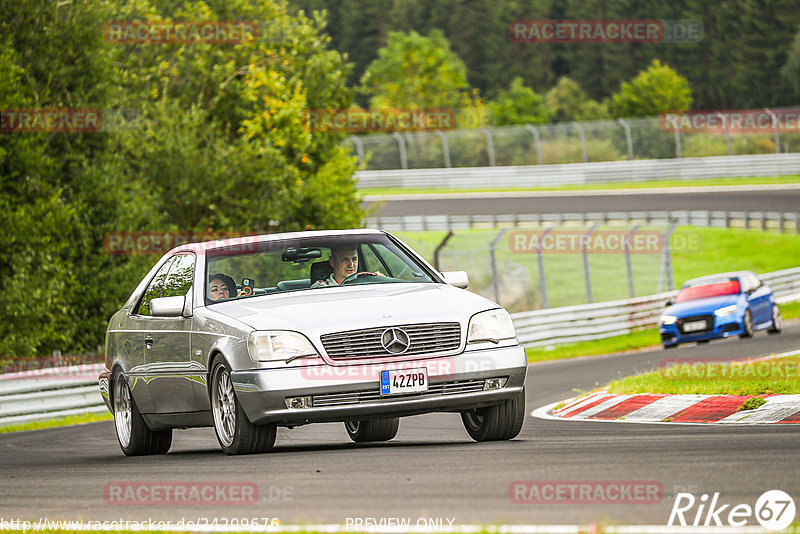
<point>456,278</point>
<point>167,306</point>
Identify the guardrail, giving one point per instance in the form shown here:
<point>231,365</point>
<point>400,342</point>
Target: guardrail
<point>767,221</point>
<point>583,173</point>
<point>51,392</point>
<point>588,322</point>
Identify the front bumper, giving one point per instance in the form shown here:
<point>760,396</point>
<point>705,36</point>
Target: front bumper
<point>729,325</point>
<point>345,392</point>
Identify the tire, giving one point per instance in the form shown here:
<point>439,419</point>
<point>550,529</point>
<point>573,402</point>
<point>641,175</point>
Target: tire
<point>777,321</point>
<point>367,430</point>
<point>235,433</point>
<point>498,422</point>
<point>134,436</point>
<point>747,325</point>
<point>671,346</point>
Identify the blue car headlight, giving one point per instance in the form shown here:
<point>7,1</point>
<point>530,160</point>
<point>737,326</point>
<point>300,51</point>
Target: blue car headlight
<point>668,319</point>
<point>726,311</point>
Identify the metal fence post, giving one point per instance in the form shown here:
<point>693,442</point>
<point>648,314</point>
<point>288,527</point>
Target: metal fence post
<point>359,148</point>
<point>489,145</point>
<point>401,143</point>
<point>586,272</point>
<point>493,262</point>
<point>666,262</point>
<point>578,127</point>
<point>777,135</point>
<point>537,142</point>
<point>727,124</point>
<point>445,148</point>
<point>540,263</point>
<point>628,263</point>
<point>628,139</point>
<point>439,248</point>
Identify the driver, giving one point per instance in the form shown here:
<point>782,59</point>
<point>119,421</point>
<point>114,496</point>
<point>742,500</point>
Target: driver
<point>344,261</point>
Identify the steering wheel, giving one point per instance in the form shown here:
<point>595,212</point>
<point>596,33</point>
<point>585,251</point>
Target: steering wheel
<point>355,276</point>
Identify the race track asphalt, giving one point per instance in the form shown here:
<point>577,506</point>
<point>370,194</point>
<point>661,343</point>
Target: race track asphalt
<point>431,469</point>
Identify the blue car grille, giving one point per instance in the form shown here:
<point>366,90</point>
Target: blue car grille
<point>709,327</point>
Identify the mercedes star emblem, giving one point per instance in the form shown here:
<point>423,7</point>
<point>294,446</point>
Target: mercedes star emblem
<point>395,340</point>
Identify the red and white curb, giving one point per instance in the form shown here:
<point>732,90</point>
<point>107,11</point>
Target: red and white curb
<point>659,408</point>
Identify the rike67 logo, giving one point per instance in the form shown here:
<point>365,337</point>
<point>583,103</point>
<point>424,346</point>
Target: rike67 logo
<point>774,510</point>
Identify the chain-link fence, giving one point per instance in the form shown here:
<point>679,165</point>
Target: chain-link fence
<point>575,142</point>
<point>547,267</point>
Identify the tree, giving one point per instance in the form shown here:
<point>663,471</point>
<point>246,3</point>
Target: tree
<point>417,72</point>
<point>654,91</point>
<point>218,143</point>
<point>518,105</point>
<point>566,101</point>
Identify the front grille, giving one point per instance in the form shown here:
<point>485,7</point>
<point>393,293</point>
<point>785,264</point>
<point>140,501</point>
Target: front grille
<point>374,395</point>
<point>709,319</point>
<point>366,343</point>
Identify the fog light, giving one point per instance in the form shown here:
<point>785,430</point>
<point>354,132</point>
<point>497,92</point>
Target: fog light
<point>295,403</point>
<point>494,383</point>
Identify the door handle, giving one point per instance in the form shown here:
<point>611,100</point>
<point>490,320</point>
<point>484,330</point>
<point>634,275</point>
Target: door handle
<point>148,341</point>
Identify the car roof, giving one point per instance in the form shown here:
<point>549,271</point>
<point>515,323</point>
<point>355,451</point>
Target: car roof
<point>236,241</point>
<point>718,275</point>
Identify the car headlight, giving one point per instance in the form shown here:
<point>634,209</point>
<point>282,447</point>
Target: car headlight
<point>279,345</point>
<point>492,325</point>
<point>727,310</point>
<point>668,319</point>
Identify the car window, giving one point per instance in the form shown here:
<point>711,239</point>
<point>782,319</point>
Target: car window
<point>286,265</point>
<point>181,274</point>
<point>155,289</point>
<point>398,265</point>
<point>713,289</point>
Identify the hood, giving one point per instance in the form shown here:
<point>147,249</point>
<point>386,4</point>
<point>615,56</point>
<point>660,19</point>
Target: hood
<point>700,306</point>
<point>335,309</point>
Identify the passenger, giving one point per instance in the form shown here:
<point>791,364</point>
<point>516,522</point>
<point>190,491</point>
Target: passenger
<point>344,262</point>
<point>221,287</point>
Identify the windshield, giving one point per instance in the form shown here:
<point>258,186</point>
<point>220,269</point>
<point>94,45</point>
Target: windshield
<point>311,264</point>
<point>707,289</point>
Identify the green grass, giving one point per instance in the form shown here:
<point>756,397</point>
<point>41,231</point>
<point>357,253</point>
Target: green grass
<point>752,180</point>
<point>61,421</point>
<point>778,376</point>
<point>637,340</point>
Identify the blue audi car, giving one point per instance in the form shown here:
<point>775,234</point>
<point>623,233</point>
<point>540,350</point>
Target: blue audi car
<point>719,305</point>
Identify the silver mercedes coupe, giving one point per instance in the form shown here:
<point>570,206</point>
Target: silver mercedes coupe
<point>248,334</point>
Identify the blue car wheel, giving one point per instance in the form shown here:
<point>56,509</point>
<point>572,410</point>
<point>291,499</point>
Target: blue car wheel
<point>747,325</point>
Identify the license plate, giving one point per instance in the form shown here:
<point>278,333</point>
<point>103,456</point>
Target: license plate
<point>694,326</point>
<point>399,381</point>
